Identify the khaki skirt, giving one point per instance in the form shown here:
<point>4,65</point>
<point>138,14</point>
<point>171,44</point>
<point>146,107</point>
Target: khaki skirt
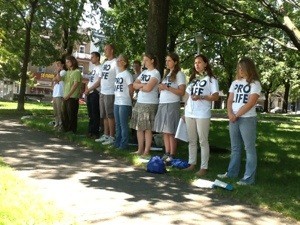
<point>143,116</point>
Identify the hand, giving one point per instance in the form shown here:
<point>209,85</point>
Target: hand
<point>195,97</point>
<point>232,117</point>
<point>162,87</point>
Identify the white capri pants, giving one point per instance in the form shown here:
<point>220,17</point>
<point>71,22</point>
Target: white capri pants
<point>198,128</point>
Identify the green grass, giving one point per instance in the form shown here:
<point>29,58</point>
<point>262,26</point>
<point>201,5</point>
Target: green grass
<point>21,205</point>
<point>277,184</point>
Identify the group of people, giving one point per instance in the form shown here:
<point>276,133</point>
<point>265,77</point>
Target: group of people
<point>111,89</point>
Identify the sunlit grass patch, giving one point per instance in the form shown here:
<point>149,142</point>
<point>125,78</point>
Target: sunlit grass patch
<point>20,204</point>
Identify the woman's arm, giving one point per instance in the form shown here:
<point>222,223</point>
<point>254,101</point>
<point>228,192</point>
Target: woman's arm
<point>251,102</point>
<point>150,85</point>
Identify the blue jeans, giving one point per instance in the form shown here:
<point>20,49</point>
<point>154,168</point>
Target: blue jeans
<point>122,114</point>
<point>243,131</point>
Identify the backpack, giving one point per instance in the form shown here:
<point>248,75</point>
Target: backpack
<point>156,165</point>
<point>180,164</point>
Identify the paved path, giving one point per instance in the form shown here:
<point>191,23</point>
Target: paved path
<point>101,190</point>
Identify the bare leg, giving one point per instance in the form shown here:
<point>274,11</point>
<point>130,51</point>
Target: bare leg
<point>148,140</point>
<point>106,128</point>
<point>167,142</point>
<point>141,141</point>
<point>173,144</point>
<point>111,126</point>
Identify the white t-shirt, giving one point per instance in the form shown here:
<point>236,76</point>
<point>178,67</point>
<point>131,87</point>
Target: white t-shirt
<point>152,96</point>
<point>58,89</point>
<point>168,96</point>
<point>94,76</point>
<point>242,90</point>
<point>201,108</point>
<point>108,76</point>
<point>122,96</point>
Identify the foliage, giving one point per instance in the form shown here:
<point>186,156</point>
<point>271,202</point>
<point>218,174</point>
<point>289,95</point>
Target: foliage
<point>125,26</point>
<point>229,29</point>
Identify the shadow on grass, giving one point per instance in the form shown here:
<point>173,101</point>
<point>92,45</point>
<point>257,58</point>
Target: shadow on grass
<point>46,157</point>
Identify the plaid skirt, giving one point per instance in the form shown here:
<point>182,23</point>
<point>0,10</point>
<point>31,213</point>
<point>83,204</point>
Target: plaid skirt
<point>143,116</point>
<point>167,118</point>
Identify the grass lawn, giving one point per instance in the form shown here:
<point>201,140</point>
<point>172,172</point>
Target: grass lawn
<point>21,205</point>
<point>278,174</point>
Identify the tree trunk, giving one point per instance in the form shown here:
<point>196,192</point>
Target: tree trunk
<point>172,44</point>
<point>26,58</point>
<point>266,102</point>
<point>287,86</point>
<point>156,41</point>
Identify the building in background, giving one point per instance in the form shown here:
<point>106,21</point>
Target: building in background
<point>40,77</point>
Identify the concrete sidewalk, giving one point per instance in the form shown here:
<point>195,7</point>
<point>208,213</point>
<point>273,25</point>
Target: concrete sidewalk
<point>101,190</point>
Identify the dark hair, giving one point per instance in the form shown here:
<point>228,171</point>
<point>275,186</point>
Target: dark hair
<point>248,66</point>
<point>208,69</point>
<point>137,62</point>
<point>63,63</point>
<point>152,56</point>
<point>73,61</point>
<point>176,69</point>
<point>97,54</point>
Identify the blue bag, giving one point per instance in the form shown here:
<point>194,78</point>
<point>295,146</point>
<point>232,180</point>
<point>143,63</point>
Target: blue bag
<point>156,165</point>
<point>180,164</point>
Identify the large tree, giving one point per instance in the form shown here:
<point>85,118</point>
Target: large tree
<point>156,41</point>
<point>272,14</point>
<point>36,31</point>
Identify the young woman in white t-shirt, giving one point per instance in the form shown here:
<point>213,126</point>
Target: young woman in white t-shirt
<point>58,93</point>
<point>202,89</point>
<point>144,111</point>
<point>172,88</point>
<point>123,102</point>
<point>243,95</point>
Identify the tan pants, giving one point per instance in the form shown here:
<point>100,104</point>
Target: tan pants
<point>198,128</point>
<point>57,108</point>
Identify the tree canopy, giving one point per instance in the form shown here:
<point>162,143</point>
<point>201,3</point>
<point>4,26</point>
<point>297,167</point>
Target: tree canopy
<point>40,31</point>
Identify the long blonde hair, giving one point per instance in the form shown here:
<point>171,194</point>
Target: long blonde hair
<point>249,68</point>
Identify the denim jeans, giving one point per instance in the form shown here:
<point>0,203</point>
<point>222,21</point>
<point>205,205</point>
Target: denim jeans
<point>243,131</point>
<point>122,114</point>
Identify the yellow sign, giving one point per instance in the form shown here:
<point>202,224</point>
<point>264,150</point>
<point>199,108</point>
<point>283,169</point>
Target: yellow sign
<point>47,75</point>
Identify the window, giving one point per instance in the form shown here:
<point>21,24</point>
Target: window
<point>41,69</point>
<point>81,49</point>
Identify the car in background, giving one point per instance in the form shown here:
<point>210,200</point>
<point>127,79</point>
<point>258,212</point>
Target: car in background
<point>276,110</point>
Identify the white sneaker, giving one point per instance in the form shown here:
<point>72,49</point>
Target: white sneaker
<point>109,141</point>
<point>104,137</point>
<point>222,175</point>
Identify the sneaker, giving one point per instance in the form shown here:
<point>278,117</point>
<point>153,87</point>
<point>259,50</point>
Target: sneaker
<point>165,156</point>
<point>102,138</point>
<point>109,141</point>
<point>169,159</point>
<point>222,175</point>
